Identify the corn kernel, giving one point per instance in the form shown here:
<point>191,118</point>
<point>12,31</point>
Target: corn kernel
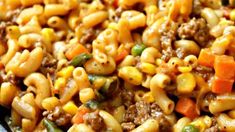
<point>232,15</point>
<point>131,75</point>
<point>66,72</point>
<point>148,97</point>
<point>148,68</point>
<point>186,83</point>
<point>50,103</point>
<point>60,83</point>
<point>184,69</point>
<point>70,108</point>
<point>48,35</point>
<point>86,94</point>
<point>113,26</point>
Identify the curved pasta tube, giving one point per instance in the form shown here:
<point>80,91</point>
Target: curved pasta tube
<point>180,124</point>
<point>128,3</point>
<point>80,128</point>
<point>151,35</point>
<point>149,55</point>
<point>150,125</point>
<point>226,123</point>
<point>217,105</point>
<point>12,49</point>
<point>42,86</point>
<point>166,104</point>
<point>28,40</point>
<point>110,121</point>
<point>95,18</point>
<point>22,64</point>
<point>81,78</point>
<point>94,67</point>
<point>136,19</point>
<point>189,46</point>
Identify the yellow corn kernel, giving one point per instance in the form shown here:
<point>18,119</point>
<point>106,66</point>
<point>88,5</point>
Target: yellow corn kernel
<point>186,83</point>
<point>232,15</point>
<point>199,124</point>
<point>13,32</point>
<point>50,103</point>
<point>99,82</point>
<point>70,108</point>
<point>148,68</point>
<point>202,123</point>
<point>60,83</point>
<point>113,26</point>
<point>184,69</point>
<point>48,34</point>
<point>159,62</point>
<point>221,44</point>
<point>148,97</point>
<point>66,72</point>
<point>131,75</point>
<point>86,94</point>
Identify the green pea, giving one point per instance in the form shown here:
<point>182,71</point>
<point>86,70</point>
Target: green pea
<point>137,49</point>
<point>190,128</point>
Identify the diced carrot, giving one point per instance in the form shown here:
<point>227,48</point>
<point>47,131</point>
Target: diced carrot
<point>75,50</point>
<point>224,67</point>
<point>115,3</point>
<point>78,117</point>
<point>206,58</point>
<point>220,86</point>
<point>186,107</point>
<point>121,56</point>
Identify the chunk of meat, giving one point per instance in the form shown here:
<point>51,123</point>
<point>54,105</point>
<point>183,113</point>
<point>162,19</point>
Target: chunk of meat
<point>195,29</point>
<point>141,111</point>
<point>94,120</point>
<point>58,116</point>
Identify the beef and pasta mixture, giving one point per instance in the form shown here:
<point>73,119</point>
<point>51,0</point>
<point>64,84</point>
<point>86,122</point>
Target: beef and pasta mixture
<point>118,65</point>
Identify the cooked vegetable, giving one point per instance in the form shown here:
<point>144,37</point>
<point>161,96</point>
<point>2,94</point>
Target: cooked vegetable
<point>186,107</point>
<point>78,117</point>
<point>92,104</point>
<point>185,83</point>
<point>206,58</point>
<point>110,86</point>
<point>220,85</point>
<point>224,67</point>
<point>121,56</point>
<point>190,128</point>
<point>138,49</point>
<point>75,50</point>
<point>80,59</point>
<point>50,126</point>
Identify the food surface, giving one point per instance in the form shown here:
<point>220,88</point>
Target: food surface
<point>118,65</point>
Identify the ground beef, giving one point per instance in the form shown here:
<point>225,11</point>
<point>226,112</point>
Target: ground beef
<point>88,35</point>
<point>214,127</point>
<point>127,97</point>
<point>195,29</point>
<point>204,72</point>
<point>3,26</point>
<point>58,116</point>
<point>49,64</point>
<point>167,32</point>
<point>168,53</point>
<point>128,126</point>
<point>209,97</point>
<point>141,111</point>
<point>94,120</point>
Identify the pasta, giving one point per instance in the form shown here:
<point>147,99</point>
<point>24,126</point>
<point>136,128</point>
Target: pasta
<point>117,65</point>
